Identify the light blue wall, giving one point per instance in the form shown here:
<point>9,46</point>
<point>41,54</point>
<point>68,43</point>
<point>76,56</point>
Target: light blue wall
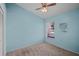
<point>22,28</point>
<point>68,40</point>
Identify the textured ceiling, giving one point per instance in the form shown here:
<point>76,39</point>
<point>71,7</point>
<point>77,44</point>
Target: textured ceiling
<point>52,11</point>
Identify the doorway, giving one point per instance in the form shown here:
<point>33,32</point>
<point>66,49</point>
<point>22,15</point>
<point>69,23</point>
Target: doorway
<point>1,31</point>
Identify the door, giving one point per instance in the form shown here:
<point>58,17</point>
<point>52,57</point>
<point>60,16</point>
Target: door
<point>1,31</point>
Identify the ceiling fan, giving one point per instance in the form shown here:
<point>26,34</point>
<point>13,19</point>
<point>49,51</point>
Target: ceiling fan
<point>45,6</point>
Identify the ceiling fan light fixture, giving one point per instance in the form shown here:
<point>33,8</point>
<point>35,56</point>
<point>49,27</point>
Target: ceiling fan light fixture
<point>44,9</point>
<point>45,6</point>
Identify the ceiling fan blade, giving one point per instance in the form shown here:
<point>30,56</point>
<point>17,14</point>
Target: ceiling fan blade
<point>39,8</point>
<point>52,4</point>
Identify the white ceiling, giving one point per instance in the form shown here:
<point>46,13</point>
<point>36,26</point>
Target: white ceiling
<point>52,11</point>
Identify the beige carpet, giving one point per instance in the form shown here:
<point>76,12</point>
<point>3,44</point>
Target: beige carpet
<point>42,49</point>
